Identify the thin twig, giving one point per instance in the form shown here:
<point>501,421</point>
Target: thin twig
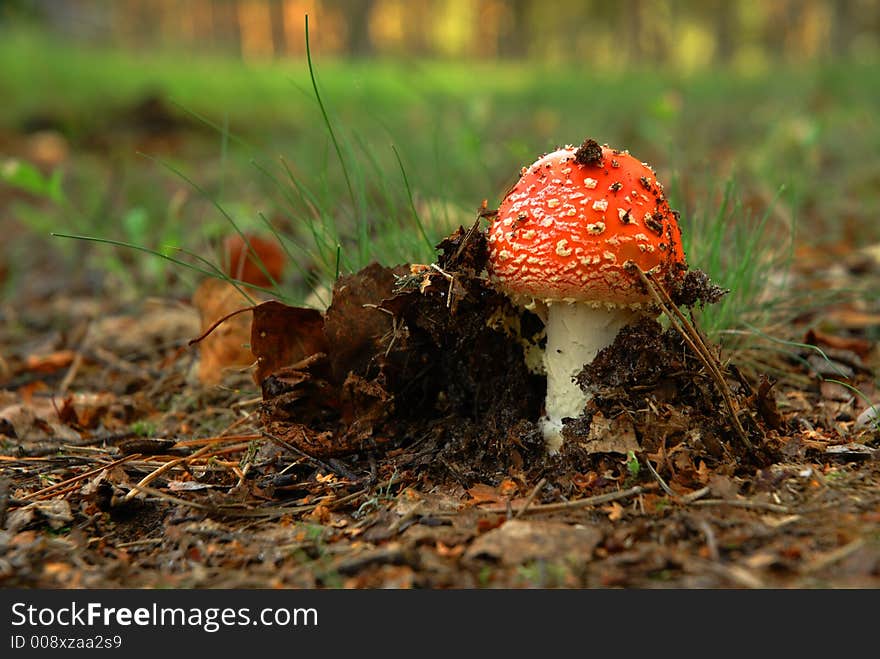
<point>298,451</point>
<point>693,496</point>
<point>237,510</point>
<point>71,372</point>
<point>660,480</point>
<point>153,475</point>
<point>531,498</point>
<point>139,543</point>
<point>687,331</point>
<point>690,497</point>
<point>741,503</point>
<point>572,505</point>
<point>736,573</point>
<point>82,476</point>
<point>217,439</point>
<point>833,556</point>
<point>219,322</point>
<point>711,541</point>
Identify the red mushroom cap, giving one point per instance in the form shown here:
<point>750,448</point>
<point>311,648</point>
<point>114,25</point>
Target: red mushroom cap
<point>576,221</point>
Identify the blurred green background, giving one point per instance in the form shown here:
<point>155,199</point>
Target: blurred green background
<point>163,123</point>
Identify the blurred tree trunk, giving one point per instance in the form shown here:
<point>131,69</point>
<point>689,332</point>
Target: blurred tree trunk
<point>843,26</point>
<point>633,30</point>
<point>513,38</point>
<point>781,29</point>
<point>418,17</point>
<point>276,18</point>
<point>358,42</point>
<point>227,32</point>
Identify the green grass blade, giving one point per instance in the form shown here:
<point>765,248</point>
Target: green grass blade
<point>412,203</point>
<point>326,117</point>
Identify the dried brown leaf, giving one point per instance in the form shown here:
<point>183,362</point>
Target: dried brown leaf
<point>225,347</point>
<point>356,328</point>
<point>281,335</point>
<point>516,542</point>
<point>862,347</point>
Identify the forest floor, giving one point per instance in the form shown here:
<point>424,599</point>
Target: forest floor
<point>400,449</point>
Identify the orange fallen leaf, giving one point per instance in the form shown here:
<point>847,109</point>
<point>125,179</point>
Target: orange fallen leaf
<point>862,347</point>
<point>485,524</point>
<point>482,493</point>
<point>449,552</point>
<point>258,261</point>
<point>614,511</point>
<point>852,318</point>
<point>585,481</point>
<point>508,487</point>
<point>51,362</point>
<point>320,515</point>
<point>226,346</point>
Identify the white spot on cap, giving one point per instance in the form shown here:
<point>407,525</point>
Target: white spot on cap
<point>552,203</point>
<point>590,183</point>
<point>504,255</point>
<point>596,228</point>
<point>561,248</point>
<point>529,234</point>
<point>600,205</point>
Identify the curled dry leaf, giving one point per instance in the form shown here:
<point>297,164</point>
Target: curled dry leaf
<point>281,335</point>
<point>253,259</point>
<point>249,259</point>
<point>54,512</point>
<point>615,435</point>
<point>517,542</point>
<point>227,346</point>
<point>861,347</point>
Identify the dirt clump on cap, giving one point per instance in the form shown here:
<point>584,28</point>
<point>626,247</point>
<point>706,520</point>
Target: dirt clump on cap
<point>589,153</point>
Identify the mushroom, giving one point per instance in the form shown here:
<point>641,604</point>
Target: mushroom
<point>565,243</point>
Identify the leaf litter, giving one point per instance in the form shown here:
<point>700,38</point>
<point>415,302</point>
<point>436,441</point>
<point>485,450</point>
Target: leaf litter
<point>392,441</point>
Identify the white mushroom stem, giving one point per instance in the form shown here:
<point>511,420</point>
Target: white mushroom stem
<point>576,332</point>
